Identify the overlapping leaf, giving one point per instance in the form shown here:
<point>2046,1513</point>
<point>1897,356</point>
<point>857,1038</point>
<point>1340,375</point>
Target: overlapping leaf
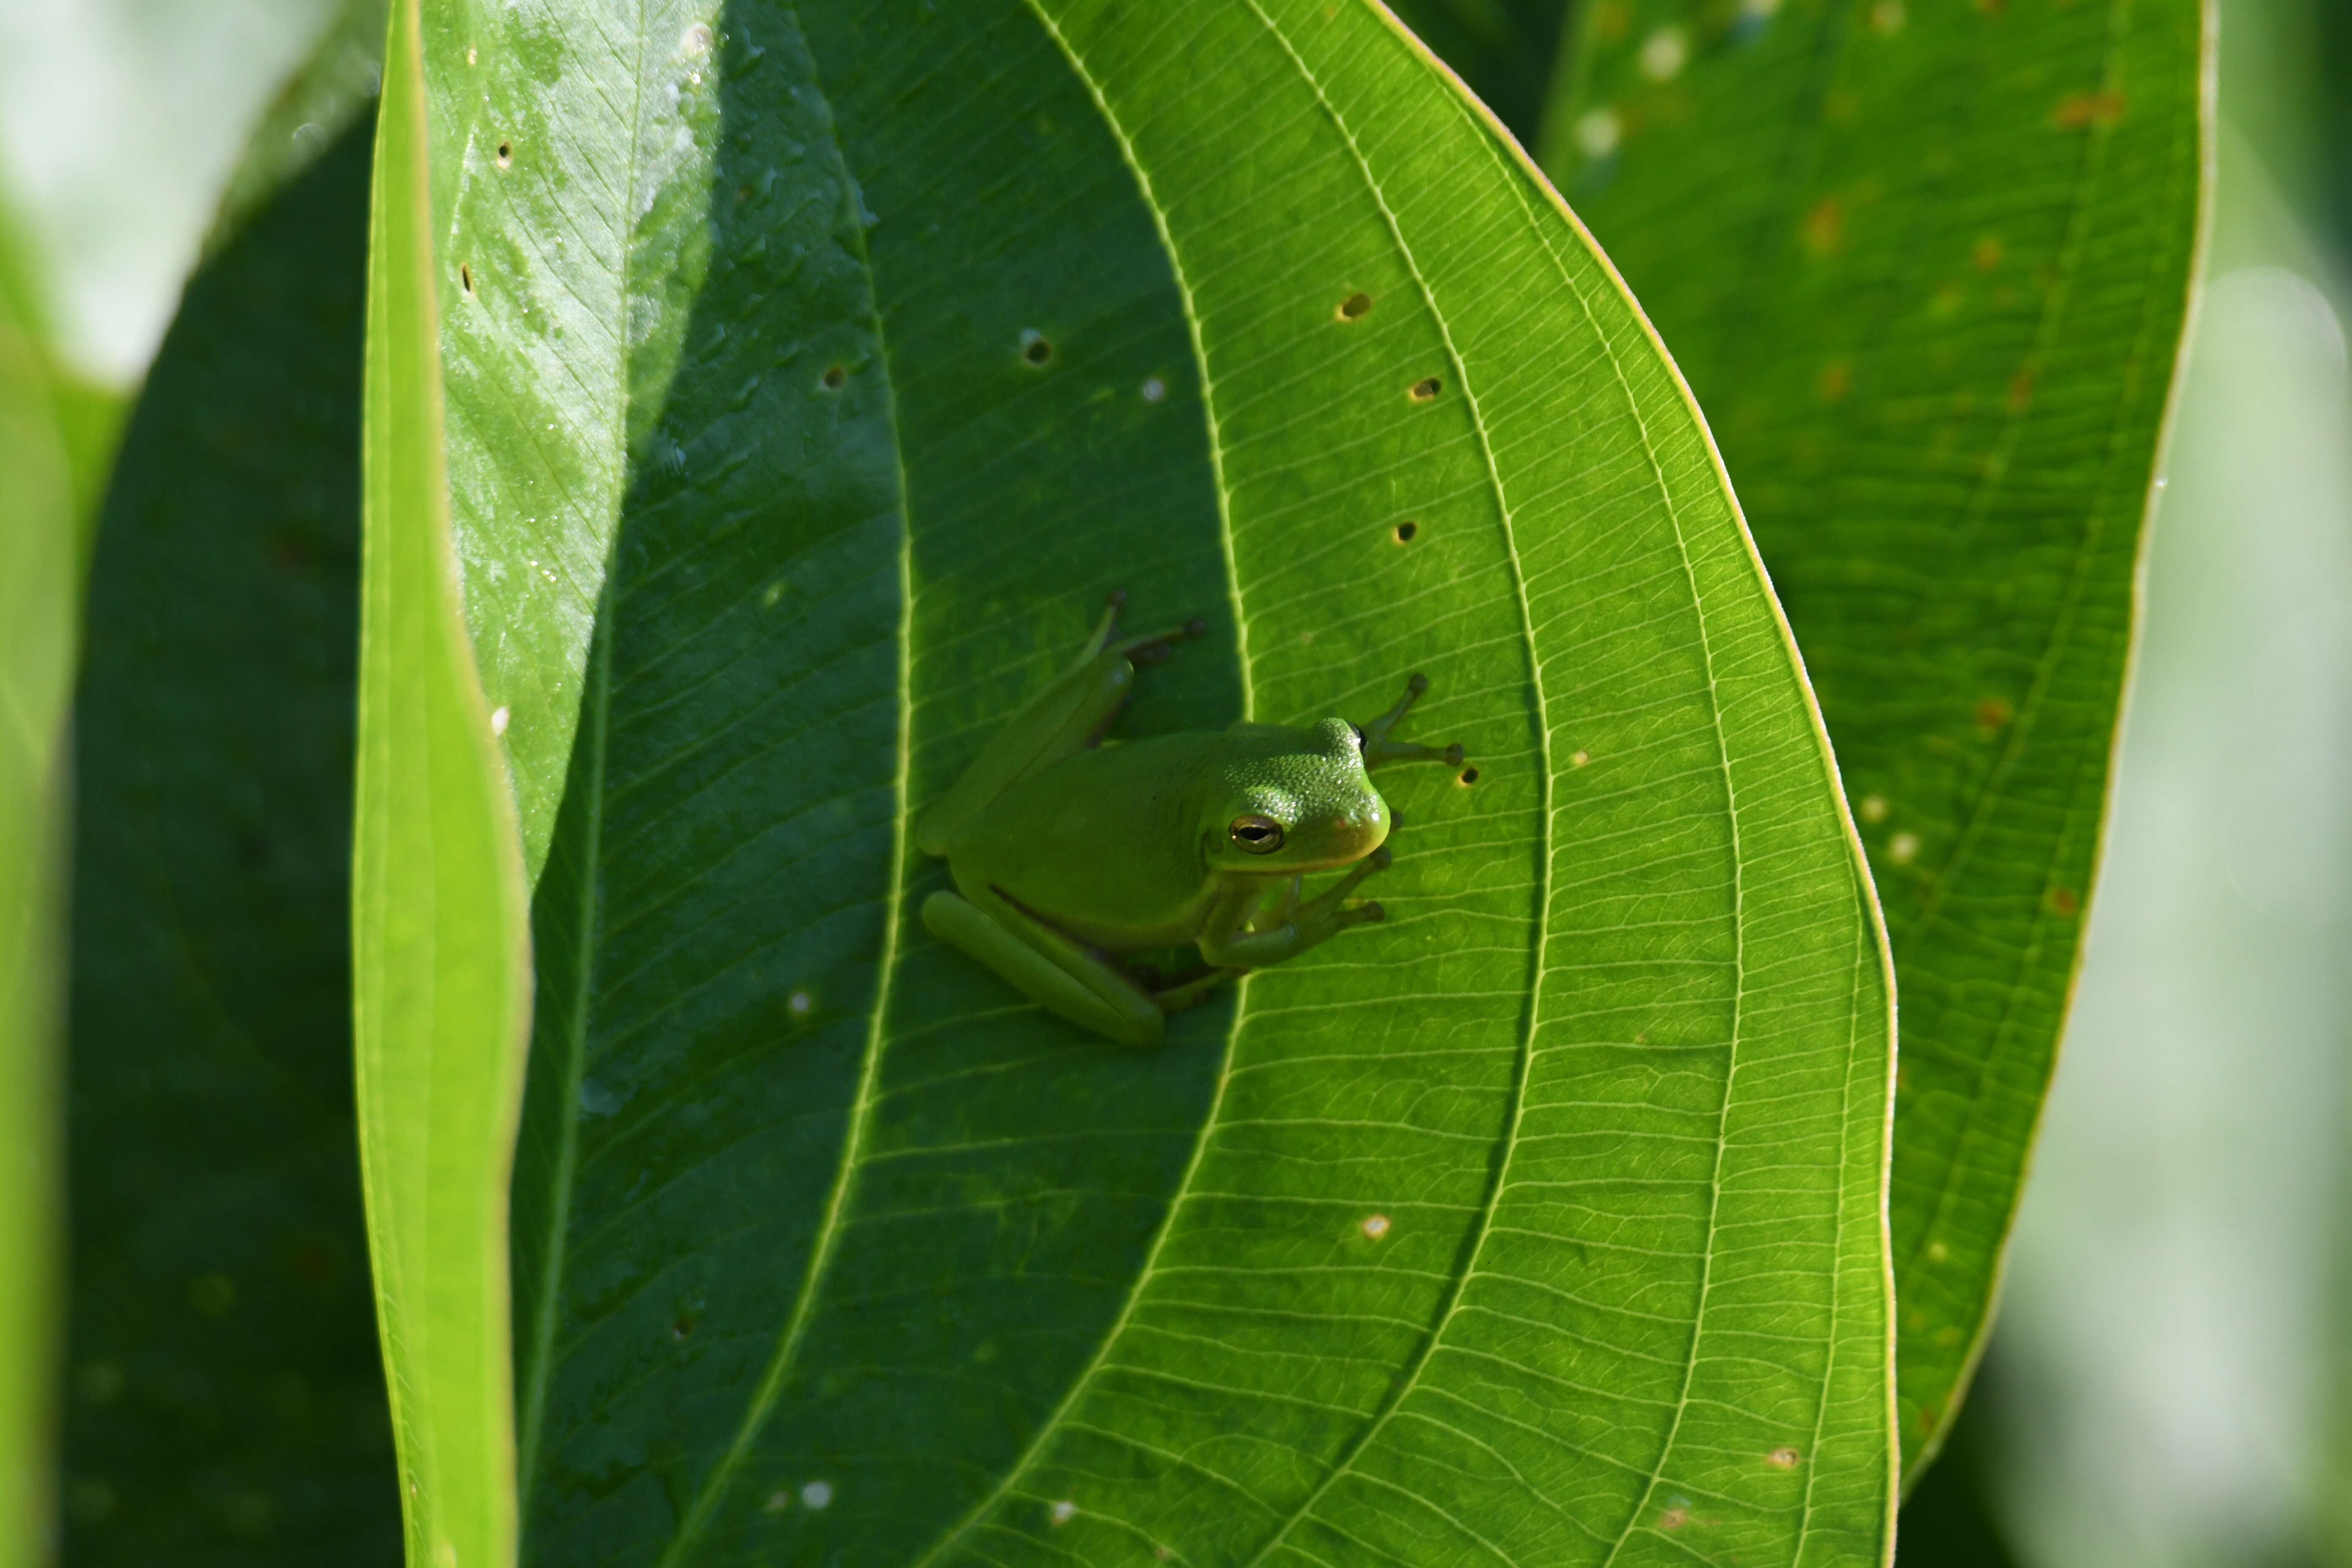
<point>439,945</point>
<point>1927,267</point>
<point>813,372</point>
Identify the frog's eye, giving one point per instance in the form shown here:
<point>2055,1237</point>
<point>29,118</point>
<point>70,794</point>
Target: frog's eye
<point>1256,834</point>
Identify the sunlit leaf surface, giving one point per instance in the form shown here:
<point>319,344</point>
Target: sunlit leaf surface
<point>1927,267</point>
<point>813,372</point>
<point>440,963</point>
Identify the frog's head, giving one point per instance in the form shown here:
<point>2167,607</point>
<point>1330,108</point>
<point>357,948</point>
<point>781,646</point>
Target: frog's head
<point>1301,804</point>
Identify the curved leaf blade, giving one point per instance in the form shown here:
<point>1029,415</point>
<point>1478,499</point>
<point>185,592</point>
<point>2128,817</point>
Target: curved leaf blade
<point>440,964</point>
<point>813,372</point>
<point>1941,377</point>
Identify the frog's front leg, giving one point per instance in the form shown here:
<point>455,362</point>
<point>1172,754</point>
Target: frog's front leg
<point>1379,749</point>
<point>1065,718</point>
<point>1243,933</point>
<point>1046,965</point>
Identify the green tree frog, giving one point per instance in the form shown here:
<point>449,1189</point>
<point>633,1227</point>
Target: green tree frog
<point>1069,853</point>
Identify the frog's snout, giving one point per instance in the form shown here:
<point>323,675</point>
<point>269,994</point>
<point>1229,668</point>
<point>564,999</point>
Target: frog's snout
<point>1361,829</point>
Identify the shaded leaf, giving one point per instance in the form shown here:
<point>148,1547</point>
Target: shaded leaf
<point>1926,269</point>
<point>226,1397</point>
<point>1504,50</point>
<point>813,372</point>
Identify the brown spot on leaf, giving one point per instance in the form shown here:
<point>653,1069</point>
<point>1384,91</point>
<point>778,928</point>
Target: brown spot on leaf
<point>2088,108</point>
<point>1824,226</point>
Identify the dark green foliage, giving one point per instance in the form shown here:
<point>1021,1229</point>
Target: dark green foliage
<point>225,1401</point>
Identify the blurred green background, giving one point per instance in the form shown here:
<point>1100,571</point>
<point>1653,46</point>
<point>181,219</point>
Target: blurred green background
<point>2168,1384</point>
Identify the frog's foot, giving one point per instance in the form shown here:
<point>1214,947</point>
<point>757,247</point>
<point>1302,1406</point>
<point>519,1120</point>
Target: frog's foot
<point>1149,648</point>
<point>1330,911</point>
<point>1195,991</point>
<point>1379,749</point>
<point>1281,928</point>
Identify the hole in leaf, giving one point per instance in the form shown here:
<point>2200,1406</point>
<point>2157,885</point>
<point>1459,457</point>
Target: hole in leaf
<point>834,377</point>
<point>1035,349</point>
<point>466,277</point>
<point>1405,530</point>
<point>1425,389</point>
<point>1469,775</point>
<point>506,155</point>
<point>1354,305</point>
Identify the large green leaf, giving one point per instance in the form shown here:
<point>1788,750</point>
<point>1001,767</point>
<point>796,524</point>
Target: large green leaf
<point>1927,267</point>
<point>440,956</point>
<point>813,372</point>
<point>226,1399</point>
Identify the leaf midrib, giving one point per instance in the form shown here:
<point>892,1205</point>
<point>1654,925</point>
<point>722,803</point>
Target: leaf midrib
<point>828,1238</point>
<point>1475,1243</point>
<point>1085,1379</point>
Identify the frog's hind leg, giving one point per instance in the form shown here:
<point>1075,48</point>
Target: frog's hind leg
<point>1047,967</point>
<point>1065,719</point>
<point>1195,991</point>
<point>1149,647</point>
<point>1379,749</point>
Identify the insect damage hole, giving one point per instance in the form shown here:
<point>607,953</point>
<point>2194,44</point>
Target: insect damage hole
<point>1034,348</point>
<point>1468,776</point>
<point>1354,306</point>
<point>466,277</point>
<point>1405,530</point>
<point>1425,389</point>
<point>506,155</point>
<point>834,377</point>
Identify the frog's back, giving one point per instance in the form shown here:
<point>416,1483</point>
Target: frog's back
<point>1104,843</point>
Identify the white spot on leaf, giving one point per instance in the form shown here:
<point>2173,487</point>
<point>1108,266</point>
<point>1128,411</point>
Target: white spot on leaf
<point>1665,53</point>
<point>1598,133</point>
